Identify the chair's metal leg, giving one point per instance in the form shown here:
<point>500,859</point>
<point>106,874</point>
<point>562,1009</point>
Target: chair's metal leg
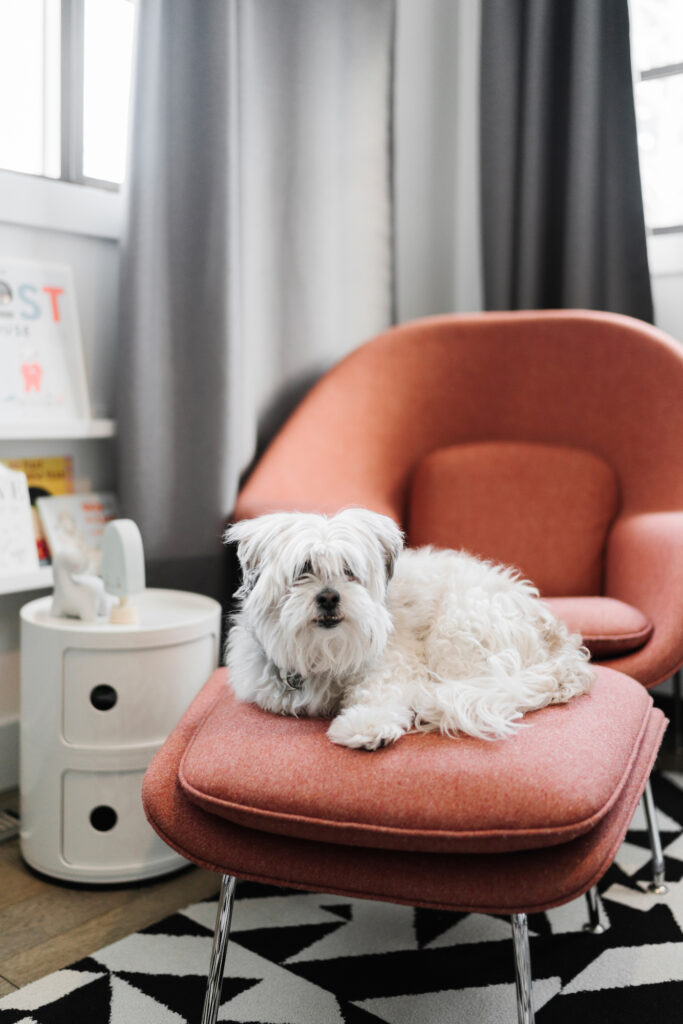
<point>657,884</point>
<point>214,984</point>
<point>593,924</point>
<point>677,724</point>
<point>520,939</point>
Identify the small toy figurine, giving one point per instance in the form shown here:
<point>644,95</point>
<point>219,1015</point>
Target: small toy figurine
<point>77,593</point>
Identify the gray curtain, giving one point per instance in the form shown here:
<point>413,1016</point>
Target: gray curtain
<point>258,247</point>
<point>561,200</point>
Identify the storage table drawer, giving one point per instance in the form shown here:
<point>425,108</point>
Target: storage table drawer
<point>119,698</point>
<point>104,822</point>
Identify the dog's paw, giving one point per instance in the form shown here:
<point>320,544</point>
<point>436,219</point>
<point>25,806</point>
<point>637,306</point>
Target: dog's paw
<point>365,728</point>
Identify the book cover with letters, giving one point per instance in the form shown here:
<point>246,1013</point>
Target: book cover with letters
<point>42,374</point>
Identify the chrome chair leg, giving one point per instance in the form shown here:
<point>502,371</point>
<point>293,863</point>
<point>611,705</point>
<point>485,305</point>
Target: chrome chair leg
<point>520,939</point>
<point>593,924</point>
<point>676,717</point>
<point>657,885</point>
<point>214,984</point>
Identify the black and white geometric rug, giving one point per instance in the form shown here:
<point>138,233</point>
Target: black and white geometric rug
<point>301,958</point>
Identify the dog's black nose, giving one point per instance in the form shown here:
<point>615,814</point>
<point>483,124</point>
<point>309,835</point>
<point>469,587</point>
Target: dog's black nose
<point>327,600</point>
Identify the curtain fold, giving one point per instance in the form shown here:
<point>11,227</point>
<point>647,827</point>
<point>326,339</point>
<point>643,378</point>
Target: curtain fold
<point>562,206</point>
<point>257,249</point>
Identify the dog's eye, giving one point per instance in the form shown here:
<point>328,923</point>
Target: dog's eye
<point>305,570</point>
<point>349,573</point>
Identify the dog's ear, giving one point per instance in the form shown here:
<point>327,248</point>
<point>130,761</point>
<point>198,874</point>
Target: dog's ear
<point>391,539</point>
<point>248,535</point>
<point>384,530</point>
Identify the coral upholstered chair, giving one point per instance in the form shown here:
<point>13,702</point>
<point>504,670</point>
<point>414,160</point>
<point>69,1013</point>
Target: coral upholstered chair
<point>547,440</point>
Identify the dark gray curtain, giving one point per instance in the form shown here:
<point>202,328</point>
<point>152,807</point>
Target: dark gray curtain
<point>561,200</point>
<point>258,246</point>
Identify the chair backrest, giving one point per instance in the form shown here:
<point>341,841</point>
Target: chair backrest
<point>398,425</point>
<point>545,509</point>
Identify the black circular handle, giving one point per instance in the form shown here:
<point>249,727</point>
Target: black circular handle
<point>103,697</point>
<point>103,818</point>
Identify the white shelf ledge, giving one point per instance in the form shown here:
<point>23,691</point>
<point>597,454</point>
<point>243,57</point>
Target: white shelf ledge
<point>73,429</point>
<point>38,579</point>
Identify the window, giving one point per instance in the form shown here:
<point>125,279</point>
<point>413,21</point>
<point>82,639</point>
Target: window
<point>657,50</point>
<point>65,76</point>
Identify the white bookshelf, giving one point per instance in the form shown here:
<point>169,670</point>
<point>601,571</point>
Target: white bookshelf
<point>37,431</point>
<point>15,583</point>
<point>86,429</point>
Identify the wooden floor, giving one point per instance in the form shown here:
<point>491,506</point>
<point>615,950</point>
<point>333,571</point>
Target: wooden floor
<point>45,926</point>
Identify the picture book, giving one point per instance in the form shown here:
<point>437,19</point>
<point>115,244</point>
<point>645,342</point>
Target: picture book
<point>42,372</point>
<point>76,522</point>
<point>45,477</point>
<point>17,544</point>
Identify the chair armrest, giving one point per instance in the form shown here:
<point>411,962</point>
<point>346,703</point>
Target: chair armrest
<point>644,567</point>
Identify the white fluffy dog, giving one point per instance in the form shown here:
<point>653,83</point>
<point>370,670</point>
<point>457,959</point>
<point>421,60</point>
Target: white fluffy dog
<point>336,619</point>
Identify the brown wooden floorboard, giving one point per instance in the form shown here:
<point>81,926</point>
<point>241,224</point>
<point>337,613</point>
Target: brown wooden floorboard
<point>6,987</point>
<point>45,926</point>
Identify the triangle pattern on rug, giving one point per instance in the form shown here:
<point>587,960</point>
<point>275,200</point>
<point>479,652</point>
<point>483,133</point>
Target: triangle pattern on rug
<point>353,1014</point>
<point>276,910</point>
<point>372,928</point>
<point>492,1003</point>
<point>473,928</point>
<point>129,1004</point>
<point>623,1005</point>
<point>340,909</point>
<point>91,1002</point>
<point>280,998</point>
<point>177,924</point>
<point>53,988</point>
<point>624,967</point>
<point>183,995</point>
<point>431,924</point>
<point>161,954</point>
<point>283,943</point>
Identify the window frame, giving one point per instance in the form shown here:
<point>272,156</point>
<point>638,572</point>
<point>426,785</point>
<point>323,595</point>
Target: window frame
<point>673,245</point>
<point>35,201</point>
<point>665,243</point>
<point>72,203</point>
<point>71,107</point>
<point>647,75</point>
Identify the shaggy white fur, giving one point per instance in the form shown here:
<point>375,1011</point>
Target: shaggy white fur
<point>335,619</point>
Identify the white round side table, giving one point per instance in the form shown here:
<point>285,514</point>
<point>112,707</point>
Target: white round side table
<point>97,701</point>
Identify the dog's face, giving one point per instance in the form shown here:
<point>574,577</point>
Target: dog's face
<point>314,588</point>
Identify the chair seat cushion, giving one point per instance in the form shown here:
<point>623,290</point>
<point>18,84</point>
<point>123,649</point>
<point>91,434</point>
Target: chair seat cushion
<point>551,782</point>
<point>608,627</point>
<point>543,508</point>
